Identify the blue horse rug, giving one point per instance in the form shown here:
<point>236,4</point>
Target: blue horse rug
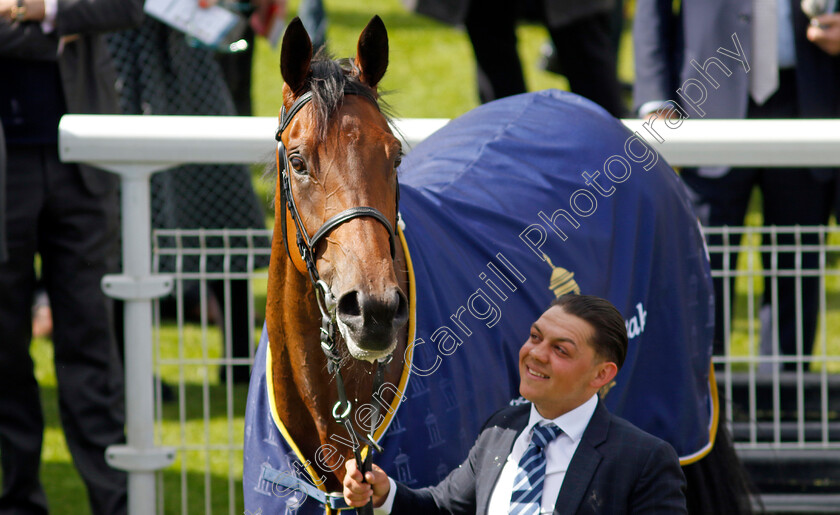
<point>505,208</point>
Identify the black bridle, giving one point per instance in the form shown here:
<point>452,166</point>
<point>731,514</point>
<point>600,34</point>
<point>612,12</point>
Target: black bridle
<point>306,247</point>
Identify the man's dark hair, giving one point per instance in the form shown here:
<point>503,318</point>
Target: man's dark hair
<point>610,338</point>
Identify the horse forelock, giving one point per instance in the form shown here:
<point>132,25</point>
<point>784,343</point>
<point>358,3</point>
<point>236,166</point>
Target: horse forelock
<point>328,80</point>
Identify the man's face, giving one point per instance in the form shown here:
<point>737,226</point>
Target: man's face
<point>558,367</point>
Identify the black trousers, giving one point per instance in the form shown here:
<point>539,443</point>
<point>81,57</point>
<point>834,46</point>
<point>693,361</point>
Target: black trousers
<point>50,212</point>
<point>789,197</point>
<point>236,69</point>
<point>2,195</point>
<point>584,49</point>
<point>241,326</point>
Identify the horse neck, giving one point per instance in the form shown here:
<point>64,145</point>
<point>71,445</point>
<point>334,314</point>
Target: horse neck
<point>293,321</point>
<point>304,391</point>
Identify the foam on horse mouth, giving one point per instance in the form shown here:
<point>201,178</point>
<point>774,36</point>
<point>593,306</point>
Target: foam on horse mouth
<point>360,353</point>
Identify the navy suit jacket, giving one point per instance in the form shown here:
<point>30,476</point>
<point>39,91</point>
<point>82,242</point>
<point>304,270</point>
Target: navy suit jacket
<point>87,76</point>
<point>617,468</point>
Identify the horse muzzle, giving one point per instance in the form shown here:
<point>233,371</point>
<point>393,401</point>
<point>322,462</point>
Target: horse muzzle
<point>370,324</point>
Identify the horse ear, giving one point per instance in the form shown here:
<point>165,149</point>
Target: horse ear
<point>372,52</point>
<point>295,56</point>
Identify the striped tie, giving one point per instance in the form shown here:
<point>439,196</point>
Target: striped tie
<point>528,484</point>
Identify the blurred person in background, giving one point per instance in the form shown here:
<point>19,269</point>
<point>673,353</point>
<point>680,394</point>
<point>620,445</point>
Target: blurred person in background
<point>53,61</point>
<point>548,55</point>
<point>237,67</point>
<point>162,72</point>
<point>314,18</point>
<point>580,32</point>
<point>777,72</point>
<point>2,194</point>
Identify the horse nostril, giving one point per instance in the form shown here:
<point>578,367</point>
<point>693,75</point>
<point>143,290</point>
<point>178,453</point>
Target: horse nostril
<point>348,306</point>
<point>372,320</point>
<point>401,313</point>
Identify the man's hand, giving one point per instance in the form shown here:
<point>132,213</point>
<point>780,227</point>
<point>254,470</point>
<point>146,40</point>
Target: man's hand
<point>357,493</point>
<point>31,10</point>
<point>826,33</point>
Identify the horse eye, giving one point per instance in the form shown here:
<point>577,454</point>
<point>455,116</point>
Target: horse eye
<point>298,164</point>
<point>398,162</point>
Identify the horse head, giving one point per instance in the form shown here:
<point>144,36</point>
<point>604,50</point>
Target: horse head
<point>339,160</point>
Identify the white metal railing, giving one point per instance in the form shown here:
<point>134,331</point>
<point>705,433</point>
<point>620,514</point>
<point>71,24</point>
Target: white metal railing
<point>800,405</point>
<point>203,417</point>
<point>120,143</point>
<point>135,147</point>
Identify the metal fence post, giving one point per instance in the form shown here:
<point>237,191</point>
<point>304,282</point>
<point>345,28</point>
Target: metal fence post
<point>137,287</point>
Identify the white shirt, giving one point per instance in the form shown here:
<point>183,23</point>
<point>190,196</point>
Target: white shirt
<point>558,455</point>
<point>50,13</point>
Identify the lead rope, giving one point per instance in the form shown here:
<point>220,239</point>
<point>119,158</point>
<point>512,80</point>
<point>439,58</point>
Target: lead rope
<point>343,407</point>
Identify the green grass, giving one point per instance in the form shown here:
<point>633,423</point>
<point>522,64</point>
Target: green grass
<point>202,394</point>
<point>431,73</point>
<point>202,397</point>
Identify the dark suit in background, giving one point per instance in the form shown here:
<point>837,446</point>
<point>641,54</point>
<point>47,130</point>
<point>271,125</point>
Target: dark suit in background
<point>2,194</point>
<point>616,469</point>
<point>70,216</point>
<point>579,30</point>
<point>665,43</point>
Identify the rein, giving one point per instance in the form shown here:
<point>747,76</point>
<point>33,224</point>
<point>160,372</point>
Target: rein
<point>305,262</point>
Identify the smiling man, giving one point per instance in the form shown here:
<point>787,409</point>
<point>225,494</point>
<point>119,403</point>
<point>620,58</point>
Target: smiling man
<point>562,452</point>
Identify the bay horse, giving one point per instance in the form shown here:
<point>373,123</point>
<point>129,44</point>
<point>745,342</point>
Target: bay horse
<point>395,308</point>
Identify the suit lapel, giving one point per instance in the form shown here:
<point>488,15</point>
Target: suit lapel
<point>584,463</point>
<point>501,447</point>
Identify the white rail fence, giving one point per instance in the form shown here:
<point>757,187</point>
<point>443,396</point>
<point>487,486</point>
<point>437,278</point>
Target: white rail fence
<point>203,430</point>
